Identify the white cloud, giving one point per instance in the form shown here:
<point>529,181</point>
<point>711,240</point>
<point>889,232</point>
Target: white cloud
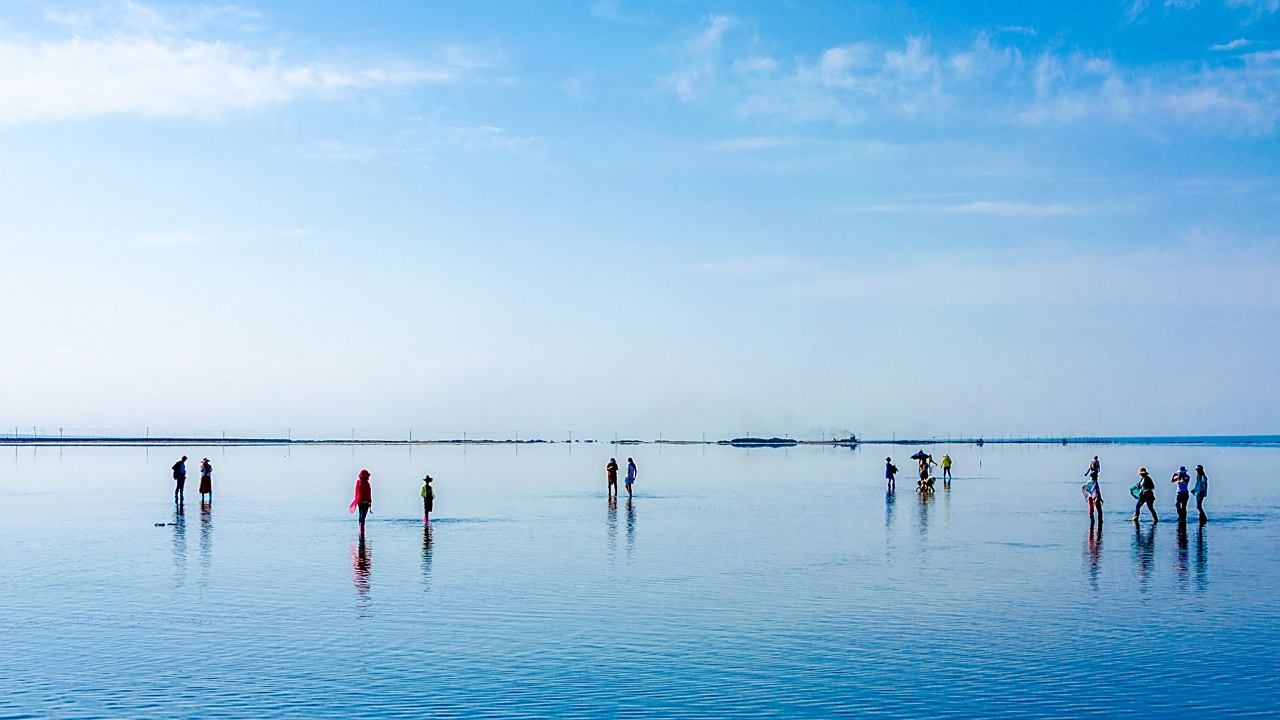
<point>131,17</point>
<point>613,11</point>
<point>1013,209</point>
<point>423,143</point>
<point>755,65</point>
<point>846,83</point>
<point>914,61</point>
<point>983,60</point>
<point>690,81</point>
<point>991,84</point>
<point>1234,99</point>
<point>1189,273</point>
<point>1232,45</point>
<point>748,144</point>
<point>709,40</point>
<point>997,208</point>
<point>159,77</point>
<point>1258,6</point>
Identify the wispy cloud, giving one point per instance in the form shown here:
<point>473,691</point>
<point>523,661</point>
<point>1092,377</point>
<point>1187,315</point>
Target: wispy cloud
<point>1257,6</point>
<point>423,143</point>
<point>613,11</point>
<point>1231,45</point>
<point>997,208</point>
<point>126,58</point>
<point>1236,99</point>
<point>700,53</point>
<point>751,144</point>
<point>1188,273</point>
<point>986,83</point>
<point>130,16</point>
<point>157,77</point>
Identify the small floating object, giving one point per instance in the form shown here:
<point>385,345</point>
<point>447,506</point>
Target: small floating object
<point>159,524</point>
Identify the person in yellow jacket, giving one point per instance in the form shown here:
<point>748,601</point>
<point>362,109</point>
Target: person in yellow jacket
<point>946,469</point>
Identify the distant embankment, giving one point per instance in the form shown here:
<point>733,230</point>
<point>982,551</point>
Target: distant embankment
<point>1208,440</point>
<point>222,440</point>
<point>37,439</point>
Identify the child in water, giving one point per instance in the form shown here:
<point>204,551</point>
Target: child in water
<point>428,498</point>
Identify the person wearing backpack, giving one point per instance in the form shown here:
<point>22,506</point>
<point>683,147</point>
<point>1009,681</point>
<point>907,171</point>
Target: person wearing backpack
<point>890,472</point>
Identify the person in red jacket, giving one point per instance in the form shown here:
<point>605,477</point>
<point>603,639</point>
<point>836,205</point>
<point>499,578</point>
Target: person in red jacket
<point>363,497</point>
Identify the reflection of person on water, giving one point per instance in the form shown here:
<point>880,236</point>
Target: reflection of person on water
<point>890,471</point>
<point>1200,490</point>
<point>1145,492</point>
<point>361,567</point>
<point>206,480</point>
<point>363,498</point>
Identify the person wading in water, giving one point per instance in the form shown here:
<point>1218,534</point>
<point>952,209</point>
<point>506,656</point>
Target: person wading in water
<point>180,481</point>
<point>1200,490</point>
<point>1145,491</point>
<point>363,498</point>
<point>611,472</point>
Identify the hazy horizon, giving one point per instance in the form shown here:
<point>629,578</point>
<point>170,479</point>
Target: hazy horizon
<point>676,218</point>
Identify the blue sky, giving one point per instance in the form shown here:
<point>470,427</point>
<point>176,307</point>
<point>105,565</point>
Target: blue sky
<point>912,218</point>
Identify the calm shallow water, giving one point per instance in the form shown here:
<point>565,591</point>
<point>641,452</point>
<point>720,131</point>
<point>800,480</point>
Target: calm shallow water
<point>762,582</point>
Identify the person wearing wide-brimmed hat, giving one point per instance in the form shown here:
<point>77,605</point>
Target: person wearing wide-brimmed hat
<point>428,498</point>
<point>206,481</point>
<point>1183,481</point>
<point>1145,491</point>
